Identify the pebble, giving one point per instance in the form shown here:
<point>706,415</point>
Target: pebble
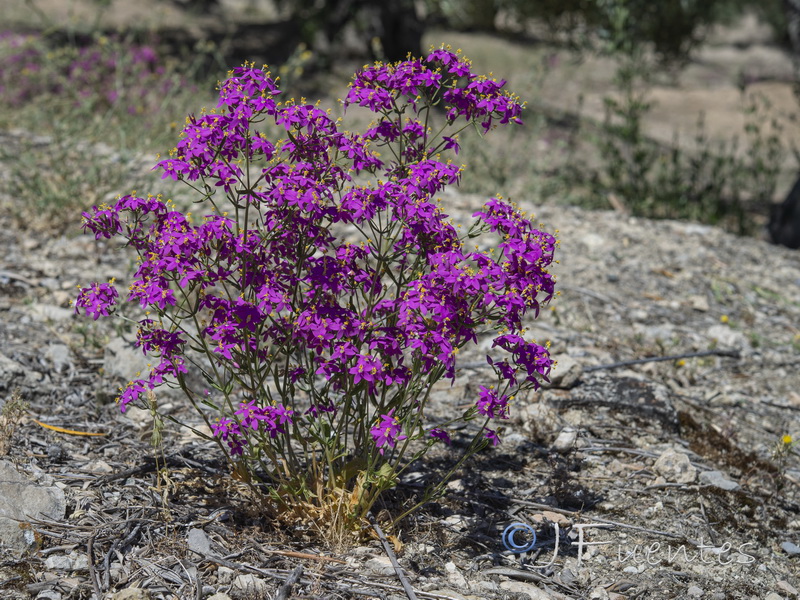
<point>790,548</point>
<point>58,562</point>
<point>22,499</point>
<point>726,337</point>
<point>566,373</point>
<point>381,565</point>
<point>219,596</point>
<point>225,575</point>
<point>198,542</point>
<point>520,587</point>
<point>56,452</point>
<point>675,467</point>
<point>49,312</point>
<point>458,522</point>
<point>456,486</point>
<point>788,588</point>
<point>58,355</point>
<point>694,591</point>
<point>773,596</point>
<point>249,586</point>
<point>454,576</point>
<point>565,441</point>
<point>599,593</point>
<point>132,594</point>
<point>48,595</point>
<point>718,479</point>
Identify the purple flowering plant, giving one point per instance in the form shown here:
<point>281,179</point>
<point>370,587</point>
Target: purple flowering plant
<point>324,291</point>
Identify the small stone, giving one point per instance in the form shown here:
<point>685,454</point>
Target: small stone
<point>719,480</point>
<point>515,440</point>
<point>225,575</point>
<point>456,485</point>
<point>249,586</point>
<point>566,373</point>
<point>80,562</point>
<point>58,355</point>
<point>140,417</point>
<point>790,548</point>
<point>553,517</point>
<point>599,593</point>
<point>520,587</point>
<point>49,312</point>
<point>98,467</point>
<point>699,303</point>
<point>58,562</point>
<point>773,596</point>
<point>381,565</point>
<point>219,596</point>
<point>458,522</point>
<point>726,337</point>
<point>56,452</point>
<point>454,576</point>
<point>565,441</point>
<point>788,588</point>
<point>132,594</point>
<point>22,499</point>
<point>675,467</point>
<point>123,360</point>
<point>198,542</point>
<point>694,591</point>
<point>48,595</point>
<point>630,569</point>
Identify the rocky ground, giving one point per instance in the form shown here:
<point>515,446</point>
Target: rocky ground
<point>668,467</point>
<point>674,470</point>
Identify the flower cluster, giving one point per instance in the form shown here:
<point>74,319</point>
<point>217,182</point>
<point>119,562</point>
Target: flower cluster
<point>105,73</point>
<point>97,299</point>
<point>324,306</point>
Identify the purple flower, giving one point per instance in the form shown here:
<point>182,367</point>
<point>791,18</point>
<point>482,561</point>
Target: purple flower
<point>491,435</point>
<point>387,432</point>
<point>440,434</point>
<point>492,405</point>
<point>97,299</point>
<point>367,368</point>
<point>131,393</point>
<point>225,428</point>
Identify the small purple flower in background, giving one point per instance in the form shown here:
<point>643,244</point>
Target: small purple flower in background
<point>387,432</point>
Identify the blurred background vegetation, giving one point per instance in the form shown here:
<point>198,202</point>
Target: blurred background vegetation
<point>91,89</point>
